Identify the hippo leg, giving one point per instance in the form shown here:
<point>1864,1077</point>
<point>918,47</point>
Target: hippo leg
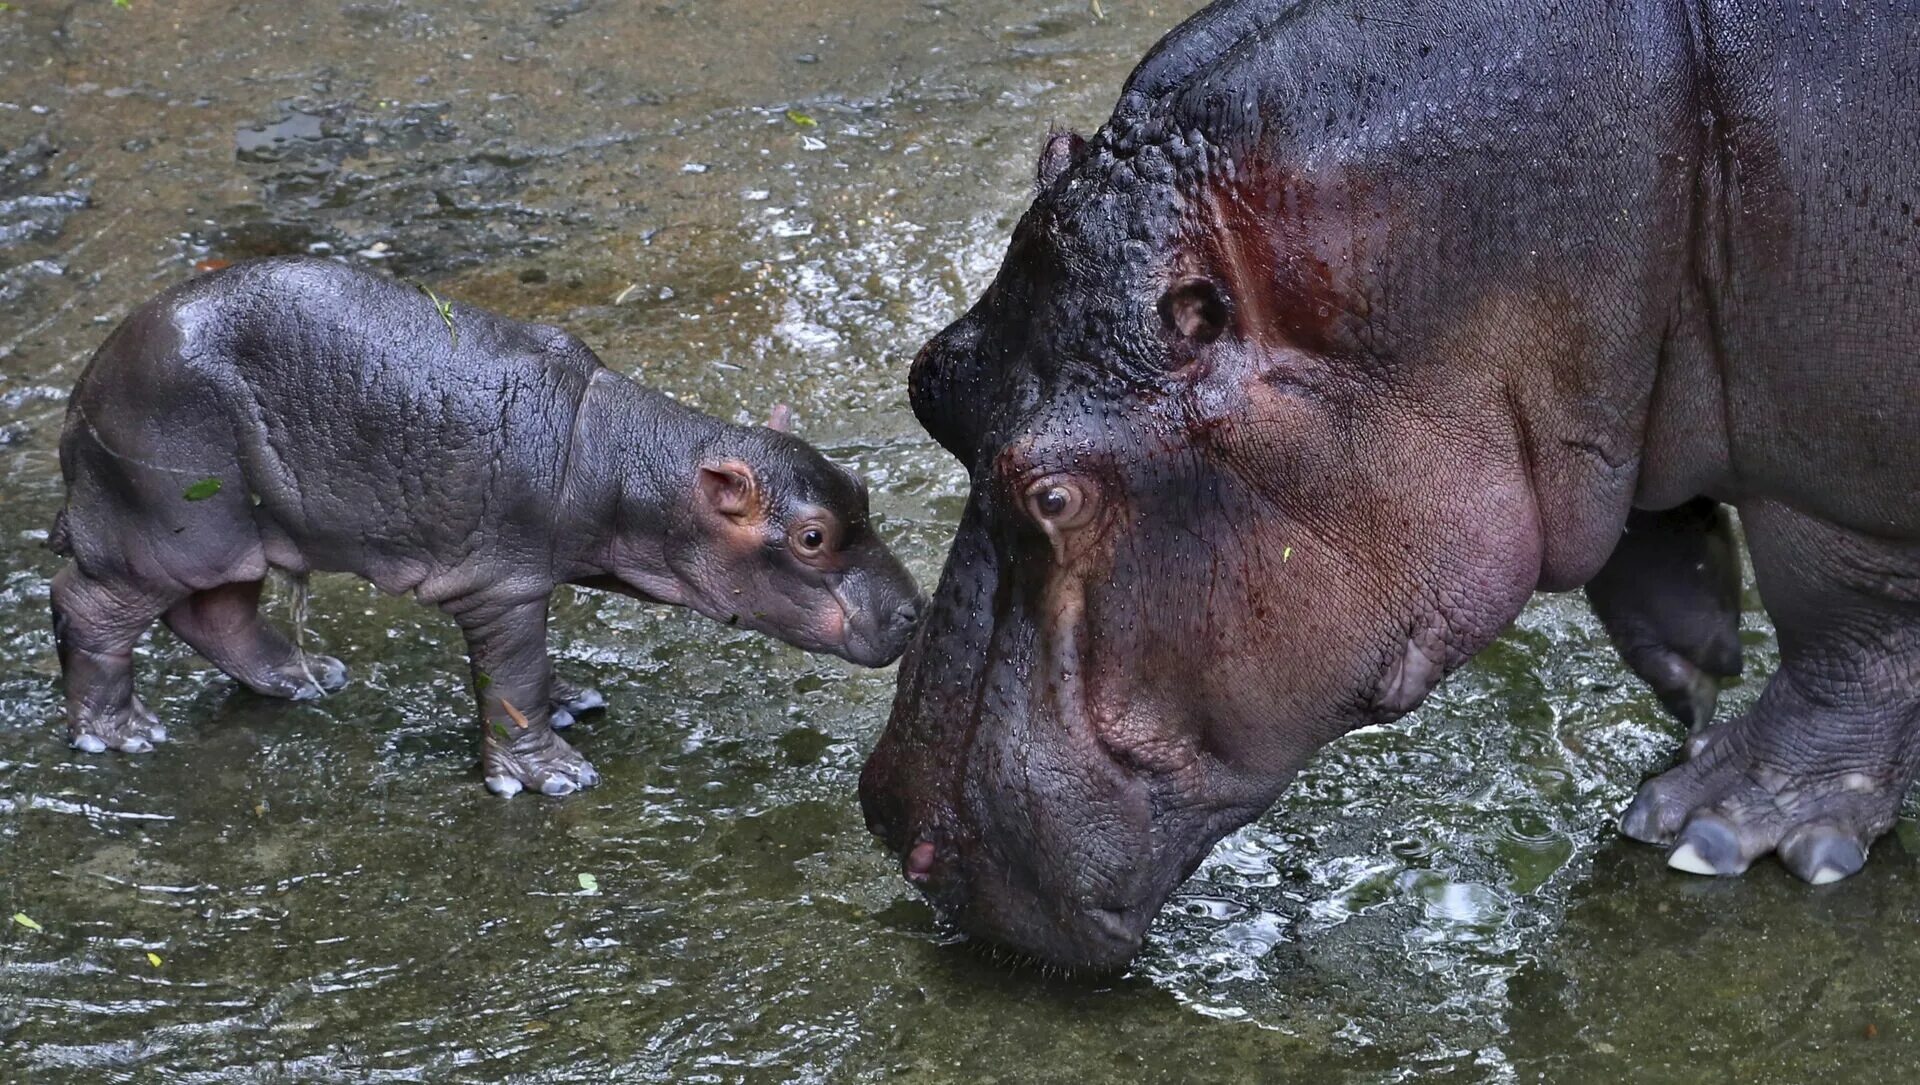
<point>513,679</point>
<point>1818,768</point>
<point>571,701</point>
<point>1669,598</point>
<point>224,625</point>
<point>95,626</point>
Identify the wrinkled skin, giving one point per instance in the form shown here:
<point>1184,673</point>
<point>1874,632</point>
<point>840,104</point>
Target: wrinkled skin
<point>1352,328</point>
<point>299,415</point>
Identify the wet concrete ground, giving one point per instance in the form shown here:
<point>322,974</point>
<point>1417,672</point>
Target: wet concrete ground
<point>746,204</point>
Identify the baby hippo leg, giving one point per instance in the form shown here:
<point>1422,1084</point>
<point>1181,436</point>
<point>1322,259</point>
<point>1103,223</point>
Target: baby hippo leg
<point>95,626</point>
<point>513,679</point>
<point>224,625</point>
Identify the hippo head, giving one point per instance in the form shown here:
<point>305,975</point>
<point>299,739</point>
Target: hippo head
<point>776,538</point>
<point>1220,513</point>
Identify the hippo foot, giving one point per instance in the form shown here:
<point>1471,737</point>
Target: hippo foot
<point>571,702</point>
<point>540,760</point>
<point>1750,786</point>
<point>320,676</point>
<point>136,730</point>
<point>328,673</point>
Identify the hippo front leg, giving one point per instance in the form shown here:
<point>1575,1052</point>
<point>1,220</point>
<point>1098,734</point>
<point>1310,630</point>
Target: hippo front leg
<point>1819,766</point>
<point>1669,598</point>
<point>513,681</point>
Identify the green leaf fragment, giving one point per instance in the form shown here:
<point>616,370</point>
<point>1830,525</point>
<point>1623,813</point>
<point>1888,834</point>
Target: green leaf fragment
<point>802,119</point>
<point>123,4</point>
<point>500,730</point>
<point>445,309</point>
<point>27,921</point>
<point>202,490</point>
<point>589,883</point>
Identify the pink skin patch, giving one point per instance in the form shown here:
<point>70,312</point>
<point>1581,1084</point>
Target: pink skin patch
<point>920,862</point>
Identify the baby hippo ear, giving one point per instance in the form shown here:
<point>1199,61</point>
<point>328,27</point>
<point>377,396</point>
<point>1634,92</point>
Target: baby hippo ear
<point>728,488</point>
<point>1063,150</point>
<point>780,419</point>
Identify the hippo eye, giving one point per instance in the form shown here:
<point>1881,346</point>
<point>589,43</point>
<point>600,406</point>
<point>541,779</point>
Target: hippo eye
<point>1195,309</point>
<point>809,540</point>
<point>1059,503</point>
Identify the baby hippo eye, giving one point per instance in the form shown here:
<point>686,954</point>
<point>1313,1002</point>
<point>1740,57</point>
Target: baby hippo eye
<point>1059,503</point>
<point>809,540</point>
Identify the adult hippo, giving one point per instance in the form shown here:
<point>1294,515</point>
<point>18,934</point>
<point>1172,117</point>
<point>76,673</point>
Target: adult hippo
<point>1358,323</point>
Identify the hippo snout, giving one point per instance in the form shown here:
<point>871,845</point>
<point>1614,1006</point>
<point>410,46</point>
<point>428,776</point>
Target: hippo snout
<point>905,619</point>
<point>1091,930</point>
<point>880,639</point>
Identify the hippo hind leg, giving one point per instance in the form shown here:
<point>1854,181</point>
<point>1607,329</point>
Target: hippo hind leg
<point>1669,598</point>
<point>224,625</point>
<point>95,626</point>
<point>1818,768</point>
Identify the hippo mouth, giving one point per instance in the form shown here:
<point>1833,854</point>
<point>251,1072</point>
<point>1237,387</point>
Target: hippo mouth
<point>1021,921</point>
<point>1001,854</point>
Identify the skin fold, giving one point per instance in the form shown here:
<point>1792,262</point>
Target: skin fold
<point>1353,327</point>
<point>295,414</point>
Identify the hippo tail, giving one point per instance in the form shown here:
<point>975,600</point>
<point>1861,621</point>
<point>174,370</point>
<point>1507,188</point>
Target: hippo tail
<point>58,540</point>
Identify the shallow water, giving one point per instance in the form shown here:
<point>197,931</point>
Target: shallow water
<point>747,204</point>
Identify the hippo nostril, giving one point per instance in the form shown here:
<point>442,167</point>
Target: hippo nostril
<point>906,616</point>
<point>1112,921</point>
<point>920,863</point>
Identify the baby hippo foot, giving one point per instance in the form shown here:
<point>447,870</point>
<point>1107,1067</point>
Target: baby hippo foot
<point>534,758</point>
<point>324,672</point>
<point>1752,786</point>
<point>135,730</point>
<point>571,702</point>
<point>320,675</point>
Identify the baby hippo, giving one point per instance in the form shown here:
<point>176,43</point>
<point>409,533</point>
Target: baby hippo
<point>300,415</point>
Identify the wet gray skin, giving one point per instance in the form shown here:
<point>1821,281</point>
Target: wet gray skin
<point>332,899</point>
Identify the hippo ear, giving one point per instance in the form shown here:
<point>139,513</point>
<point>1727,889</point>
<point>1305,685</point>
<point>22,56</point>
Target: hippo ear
<point>1195,309</point>
<point>780,418</point>
<point>728,488</point>
<point>1063,149</point>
